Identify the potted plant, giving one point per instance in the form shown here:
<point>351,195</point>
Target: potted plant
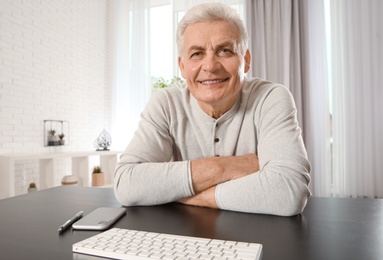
<point>61,141</point>
<point>162,83</point>
<point>51,136</point>
<point>32,187</point>
<point>97,176</point>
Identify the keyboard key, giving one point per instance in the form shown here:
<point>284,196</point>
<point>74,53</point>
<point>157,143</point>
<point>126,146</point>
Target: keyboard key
<point>157,256</point>
<point>144,254</point>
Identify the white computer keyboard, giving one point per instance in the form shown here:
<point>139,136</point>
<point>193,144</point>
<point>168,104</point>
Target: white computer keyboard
<point>132,244</point>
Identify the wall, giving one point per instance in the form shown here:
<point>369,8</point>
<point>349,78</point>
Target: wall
<point>54,64</point>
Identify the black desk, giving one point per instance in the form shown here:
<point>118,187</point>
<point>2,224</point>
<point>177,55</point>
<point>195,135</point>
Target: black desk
<point>328,228</point>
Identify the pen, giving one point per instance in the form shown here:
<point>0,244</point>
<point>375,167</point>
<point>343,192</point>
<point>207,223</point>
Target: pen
<point>70,222</point>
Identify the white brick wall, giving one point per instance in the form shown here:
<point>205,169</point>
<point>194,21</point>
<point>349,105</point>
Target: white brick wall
<point>54,64</point>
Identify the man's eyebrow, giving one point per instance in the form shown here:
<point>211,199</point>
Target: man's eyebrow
<point>195,48</point>
<point>217,47</point>
<point>225,44</point>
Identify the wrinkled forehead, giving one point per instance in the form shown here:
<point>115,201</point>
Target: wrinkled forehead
<point>210,35</point>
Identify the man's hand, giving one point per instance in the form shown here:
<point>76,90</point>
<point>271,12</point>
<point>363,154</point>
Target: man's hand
<point>205,198</point>
<point>209,172</point>
<point>239,166</point>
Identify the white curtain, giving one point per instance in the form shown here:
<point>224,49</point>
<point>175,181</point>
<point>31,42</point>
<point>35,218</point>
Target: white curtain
<point>357,84</point>
<point>130,62</point>
<point>317,117</point>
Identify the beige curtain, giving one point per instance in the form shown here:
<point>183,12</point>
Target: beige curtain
<point>275,33</point>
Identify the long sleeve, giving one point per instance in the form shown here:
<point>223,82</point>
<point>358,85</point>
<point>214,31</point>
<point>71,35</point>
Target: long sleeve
<point>280,187</point>
<point>146,173</point>
<point>155,167</point>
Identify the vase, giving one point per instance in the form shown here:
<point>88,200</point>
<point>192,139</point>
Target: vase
<point>97,179</point>
<point>69,180</point>
<point>32,189</point>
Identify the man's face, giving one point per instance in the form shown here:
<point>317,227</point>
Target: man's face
<point>212,65</point>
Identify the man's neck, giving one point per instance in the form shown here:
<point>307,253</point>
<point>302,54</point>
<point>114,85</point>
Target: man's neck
<point>217,110</point>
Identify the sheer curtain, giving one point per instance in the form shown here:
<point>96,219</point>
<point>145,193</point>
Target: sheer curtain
<point>317,116</point>
<point>130,61</point>
<point>357,84</point>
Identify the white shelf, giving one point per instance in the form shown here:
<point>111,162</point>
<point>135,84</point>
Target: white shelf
<point>80,168</point>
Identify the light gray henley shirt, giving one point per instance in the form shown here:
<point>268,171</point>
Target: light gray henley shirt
<point>173,130</point>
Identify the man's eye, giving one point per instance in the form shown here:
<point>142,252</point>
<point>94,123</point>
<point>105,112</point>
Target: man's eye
<point>226,51</point>
<point>196,54</point>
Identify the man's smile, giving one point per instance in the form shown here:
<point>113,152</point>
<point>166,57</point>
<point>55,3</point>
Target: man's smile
<point>214,81</point>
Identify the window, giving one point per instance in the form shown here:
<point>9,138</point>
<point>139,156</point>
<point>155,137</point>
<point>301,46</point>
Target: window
<point>161,42</point>
<point>164,19</point>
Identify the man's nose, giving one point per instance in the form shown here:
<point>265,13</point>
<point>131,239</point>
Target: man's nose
<point>211,63</point>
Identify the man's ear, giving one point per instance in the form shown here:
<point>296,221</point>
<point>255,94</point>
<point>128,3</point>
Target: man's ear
<point>247,59</point>
<point>181,66</point>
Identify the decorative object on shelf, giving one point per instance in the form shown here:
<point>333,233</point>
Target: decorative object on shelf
<point>69,180</point>
<point>52,133</point>
<point>61,141</point>
<point>97,176</point>
<point>32,187</point>
<point>52,138</point>
<point>162,83</point>
<point>103,141</point>
<point>51,127</point>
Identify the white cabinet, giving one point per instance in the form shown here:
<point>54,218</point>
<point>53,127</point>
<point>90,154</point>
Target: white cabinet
<point>80,168</point>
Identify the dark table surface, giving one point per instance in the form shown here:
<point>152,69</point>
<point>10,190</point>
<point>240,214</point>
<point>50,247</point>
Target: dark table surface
<point>329,228</point>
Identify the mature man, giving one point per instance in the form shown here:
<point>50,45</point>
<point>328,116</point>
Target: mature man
<point>219,140</point>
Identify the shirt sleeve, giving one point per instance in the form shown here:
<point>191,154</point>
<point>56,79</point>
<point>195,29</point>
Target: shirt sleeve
<point>281,185</point>
<point>146,174</point>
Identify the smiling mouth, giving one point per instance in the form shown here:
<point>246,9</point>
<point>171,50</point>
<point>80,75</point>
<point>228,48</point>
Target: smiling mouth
<point>215,81</point>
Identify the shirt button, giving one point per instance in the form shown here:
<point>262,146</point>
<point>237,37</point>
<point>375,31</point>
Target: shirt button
<point>216,140</point>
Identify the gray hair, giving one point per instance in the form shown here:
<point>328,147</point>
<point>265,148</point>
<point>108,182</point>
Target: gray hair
<point>209,12</point>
